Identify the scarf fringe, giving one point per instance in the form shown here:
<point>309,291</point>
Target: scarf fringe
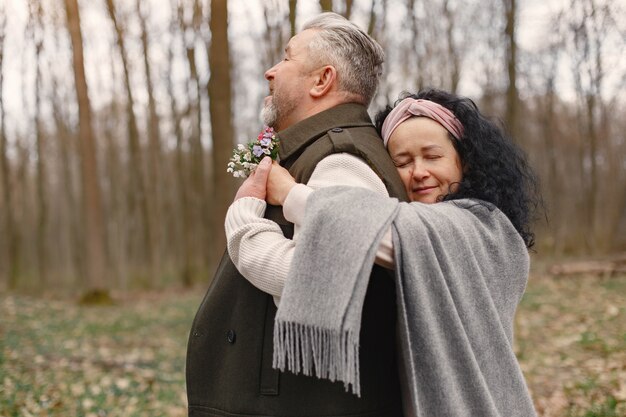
<point>311,350</point>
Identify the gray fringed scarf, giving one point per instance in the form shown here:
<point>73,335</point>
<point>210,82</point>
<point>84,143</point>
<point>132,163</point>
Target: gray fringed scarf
<point>461,269</point>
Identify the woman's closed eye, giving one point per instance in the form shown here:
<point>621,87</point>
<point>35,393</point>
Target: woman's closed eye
<point>401,162</point>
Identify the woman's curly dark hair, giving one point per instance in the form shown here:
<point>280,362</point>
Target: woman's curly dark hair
<point>495,170</point>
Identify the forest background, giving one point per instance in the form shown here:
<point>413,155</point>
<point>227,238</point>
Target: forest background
<point>117,119</point>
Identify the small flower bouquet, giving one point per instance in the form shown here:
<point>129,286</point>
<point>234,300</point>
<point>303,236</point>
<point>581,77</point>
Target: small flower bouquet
<point>246,157</point>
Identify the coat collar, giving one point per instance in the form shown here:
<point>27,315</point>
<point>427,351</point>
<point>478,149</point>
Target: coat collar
<point>297,137</point>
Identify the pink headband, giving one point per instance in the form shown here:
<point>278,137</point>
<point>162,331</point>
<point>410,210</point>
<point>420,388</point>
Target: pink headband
<point>410,107</point>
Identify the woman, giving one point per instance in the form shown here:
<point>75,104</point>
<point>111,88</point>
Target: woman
<point>461,264</point>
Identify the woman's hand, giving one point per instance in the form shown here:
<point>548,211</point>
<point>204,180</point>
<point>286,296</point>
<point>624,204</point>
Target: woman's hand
<point>279,183</point>
<point>255,184</point>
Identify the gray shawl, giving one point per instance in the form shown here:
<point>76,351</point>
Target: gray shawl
<point>461,269</point>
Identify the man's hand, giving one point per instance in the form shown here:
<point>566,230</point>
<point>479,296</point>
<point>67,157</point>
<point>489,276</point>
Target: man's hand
<point>279,184</point>
<point>255,185</point>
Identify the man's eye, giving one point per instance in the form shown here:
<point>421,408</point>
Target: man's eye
<point>432,157</point>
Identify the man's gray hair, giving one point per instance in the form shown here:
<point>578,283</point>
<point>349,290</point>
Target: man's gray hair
<point>357,57</point>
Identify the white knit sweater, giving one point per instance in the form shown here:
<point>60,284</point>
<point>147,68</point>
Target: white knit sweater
<point>257,246</point>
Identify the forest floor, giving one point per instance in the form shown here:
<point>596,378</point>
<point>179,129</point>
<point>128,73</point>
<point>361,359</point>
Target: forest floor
<point>58,358</point>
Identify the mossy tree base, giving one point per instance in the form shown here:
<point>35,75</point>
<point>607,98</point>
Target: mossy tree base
<point>96,297</point>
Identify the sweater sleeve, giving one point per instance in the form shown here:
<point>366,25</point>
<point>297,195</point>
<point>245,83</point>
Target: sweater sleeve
<point>256,245</point>
<point>295,203</point>
<point>259,250</point>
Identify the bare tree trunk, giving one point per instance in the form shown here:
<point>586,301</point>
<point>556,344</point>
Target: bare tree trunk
<point>273,36</point>
<point>617,236</point>
<point>65,141</point>
<point>119,229</point>
<point>220,99</point>
<point>292,16</point>
<point>186,246</point>
<point>36,24</point>
<point>348,11</point>
<point>453,53</point>
<point>553,177</point>
<point>92,200</point>
<point>415,41</point>
<point>326,5</point>
<point>592,136</point>
<point>12,237</point>
<point>200,185</point>
<point>137,196</point>
<point>548,119</point>
<point>588,40</point>
<point>154,141</point>
<point>512,96</point>
<point>371,23</point>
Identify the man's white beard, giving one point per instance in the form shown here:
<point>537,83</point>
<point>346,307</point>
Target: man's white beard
<point>269,114</point>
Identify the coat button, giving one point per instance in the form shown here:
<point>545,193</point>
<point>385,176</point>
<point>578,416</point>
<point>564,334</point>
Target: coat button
<point>336,129</point>
<point>231,336</point>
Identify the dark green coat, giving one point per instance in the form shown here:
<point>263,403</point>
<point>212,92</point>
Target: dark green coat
<point>229,355</point>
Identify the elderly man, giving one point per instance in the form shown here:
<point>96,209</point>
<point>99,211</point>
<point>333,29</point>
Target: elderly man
<point>318,101</point>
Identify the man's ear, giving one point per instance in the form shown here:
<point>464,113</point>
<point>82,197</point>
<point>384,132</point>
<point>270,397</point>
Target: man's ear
<point>325,79</point>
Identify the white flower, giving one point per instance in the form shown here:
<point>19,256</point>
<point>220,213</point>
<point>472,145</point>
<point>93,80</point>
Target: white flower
<point>246,158</point>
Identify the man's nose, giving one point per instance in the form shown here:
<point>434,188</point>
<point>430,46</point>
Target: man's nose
<point>270,73</point>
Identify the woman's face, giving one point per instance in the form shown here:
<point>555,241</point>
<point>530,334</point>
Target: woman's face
<point>426,160</point>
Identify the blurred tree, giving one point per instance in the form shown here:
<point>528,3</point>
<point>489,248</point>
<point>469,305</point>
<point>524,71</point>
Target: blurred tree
<point>454,54</point>
<point>94,225</point>
<point>512,95</point>
<point>10,231</point>
<point>185,244</point>
<point>120,225</point>
<point>548,120</point>
<point>588,25</point>
<point>292,16</point>
<point>417,55</point>
<point>348,11</point>
<point>35,30</point>
<point>65,139</point>
<point>154,140</point>
<point>201,187</point>
<point>274,34</point>
<point>326,5</point>
<point>139,207</point>
<point>222,130</point>
<point>372,20</point>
